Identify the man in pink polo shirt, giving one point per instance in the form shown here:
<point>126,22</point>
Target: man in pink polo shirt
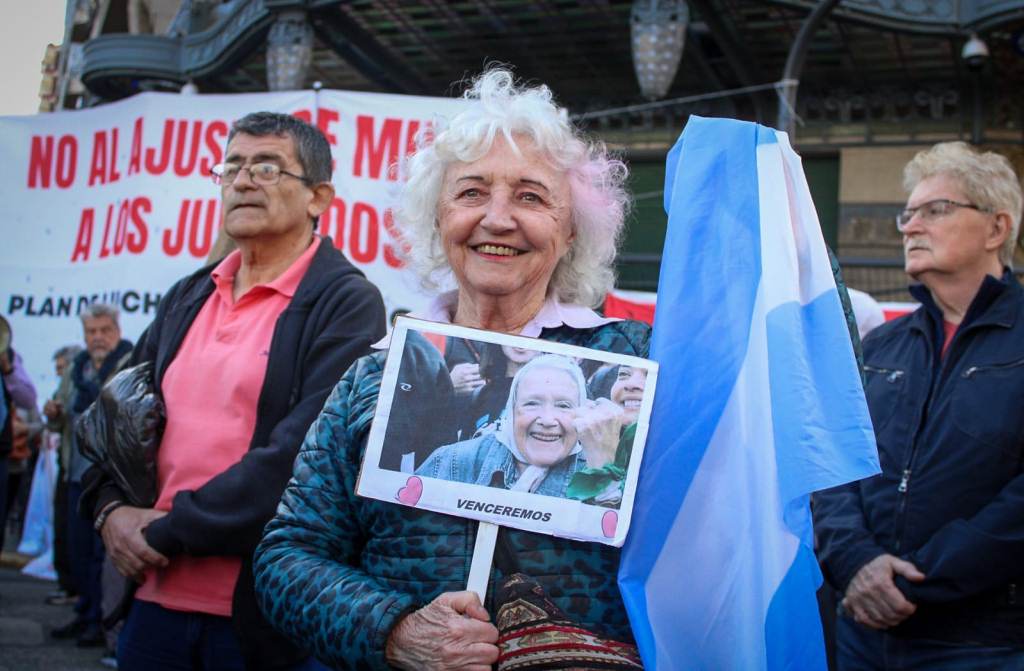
<point>245,353</point>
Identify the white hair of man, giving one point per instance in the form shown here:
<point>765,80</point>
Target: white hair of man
<point>600,201</point>
<point>987,179</point>
<point>96,310</point>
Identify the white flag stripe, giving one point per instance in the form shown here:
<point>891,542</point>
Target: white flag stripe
<point>815,268</point>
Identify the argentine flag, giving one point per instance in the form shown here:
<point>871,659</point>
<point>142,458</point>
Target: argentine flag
<point>759,404</point>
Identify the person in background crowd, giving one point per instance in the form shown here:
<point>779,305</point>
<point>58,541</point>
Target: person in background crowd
<point>105,353</point>
<point>6,445</point>
<point>524,214</point>
<point>628,391</point>
<point>929,555</point>
<point>464,358</point>
<point>867,310</point>
<point>424,407</point>
<point>25,428</point>
<point>244,353</point>
<point>19,386</point>
<point>66,591</point>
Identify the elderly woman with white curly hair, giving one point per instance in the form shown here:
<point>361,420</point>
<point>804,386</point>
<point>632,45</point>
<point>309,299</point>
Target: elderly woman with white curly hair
<point>510,202</point>
<point>548,432</point>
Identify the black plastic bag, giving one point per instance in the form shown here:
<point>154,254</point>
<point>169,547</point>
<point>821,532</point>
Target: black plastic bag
<point>121,432</point>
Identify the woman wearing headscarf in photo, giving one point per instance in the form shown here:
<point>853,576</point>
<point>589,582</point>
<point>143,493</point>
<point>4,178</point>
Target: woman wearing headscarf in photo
<point>514,205</point>
<point>536,447</point>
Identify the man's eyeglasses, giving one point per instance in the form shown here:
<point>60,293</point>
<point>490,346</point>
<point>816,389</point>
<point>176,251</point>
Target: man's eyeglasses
<point>261,174</point>
<point>932,210</point>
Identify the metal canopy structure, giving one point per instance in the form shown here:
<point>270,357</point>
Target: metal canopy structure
<point>875,70</point>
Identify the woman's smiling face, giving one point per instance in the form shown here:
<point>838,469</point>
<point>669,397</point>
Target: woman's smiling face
<point>505,221</point>
<point>543,412</point>
<point>628,390</point>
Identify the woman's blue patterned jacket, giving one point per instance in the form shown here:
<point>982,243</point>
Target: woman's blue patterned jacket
<point>336,572</point>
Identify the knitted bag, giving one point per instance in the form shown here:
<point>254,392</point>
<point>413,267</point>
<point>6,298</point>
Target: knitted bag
<point>535,634</point>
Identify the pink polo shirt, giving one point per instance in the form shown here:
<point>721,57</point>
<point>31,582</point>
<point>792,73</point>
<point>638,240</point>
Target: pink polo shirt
<point>211,390</point>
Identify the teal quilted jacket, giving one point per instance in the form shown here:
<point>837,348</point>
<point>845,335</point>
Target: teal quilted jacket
<point>336,572</point>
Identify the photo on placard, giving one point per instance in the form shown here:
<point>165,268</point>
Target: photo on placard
<point>518,431</point>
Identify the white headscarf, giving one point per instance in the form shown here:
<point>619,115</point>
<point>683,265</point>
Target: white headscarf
<point>533,475</point>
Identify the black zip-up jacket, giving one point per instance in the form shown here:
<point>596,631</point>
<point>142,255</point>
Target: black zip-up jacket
<point>333,318</point>
<point>950,498</point>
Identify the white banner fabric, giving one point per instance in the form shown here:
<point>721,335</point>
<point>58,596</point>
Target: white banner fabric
<point>115,203</point>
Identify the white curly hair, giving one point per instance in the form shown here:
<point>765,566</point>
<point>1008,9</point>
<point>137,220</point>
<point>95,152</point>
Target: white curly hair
<point>499,104</point>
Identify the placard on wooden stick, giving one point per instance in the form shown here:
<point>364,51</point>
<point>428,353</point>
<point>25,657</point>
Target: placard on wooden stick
<point>511,431</point>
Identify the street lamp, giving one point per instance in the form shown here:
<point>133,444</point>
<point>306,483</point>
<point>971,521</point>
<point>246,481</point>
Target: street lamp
<point>289,51</point>
<point>658,34</point>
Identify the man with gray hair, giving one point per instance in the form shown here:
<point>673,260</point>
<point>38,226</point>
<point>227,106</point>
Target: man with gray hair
<point>66,592</point>
<point>245,352</point>
<point>105,353</point>
<point>929,555</point>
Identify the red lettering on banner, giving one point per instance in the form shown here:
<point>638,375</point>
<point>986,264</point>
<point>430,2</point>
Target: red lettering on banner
<point>135,157</point>
<point>193,228</point>
<point>363,233</point>
<point>104,245</point>
<point>98,170</point>
<point>332,222</point>
<point>191,143</point>
<point>104,158</point>
<point>184,168</point>
<point>124,229</point>
<point>172,243</point>
<point>391,256</point>
<point>410,137</point>
<point>153,166</point>
<point>200,238</point>
<point>214,137</point>
<point>121,230</point>
<point>83,241</point>
<point>372,151</point>
<point>41,161</point>
<point>356,231</point>
<point>113,175</point>
<point>67,161</point>
<point>324,119</point>
<point>138,238</point>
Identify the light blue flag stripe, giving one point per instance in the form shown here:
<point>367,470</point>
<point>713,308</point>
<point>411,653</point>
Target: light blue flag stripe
<point>690,349</point>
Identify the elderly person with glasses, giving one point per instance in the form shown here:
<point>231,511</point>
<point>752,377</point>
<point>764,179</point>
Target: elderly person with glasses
<point>548,432</point>
<point>929,555</point>
<point>524,214</point>
<point>244,354</point>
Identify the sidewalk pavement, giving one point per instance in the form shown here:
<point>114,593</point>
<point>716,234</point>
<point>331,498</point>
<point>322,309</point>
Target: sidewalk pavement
<point>26,621</point>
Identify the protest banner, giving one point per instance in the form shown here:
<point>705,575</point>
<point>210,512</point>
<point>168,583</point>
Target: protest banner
<point>115,203</point>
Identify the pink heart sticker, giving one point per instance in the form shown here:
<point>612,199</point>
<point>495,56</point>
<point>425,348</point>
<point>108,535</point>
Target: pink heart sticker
<point>413,490</point>
<point>608,523</point>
